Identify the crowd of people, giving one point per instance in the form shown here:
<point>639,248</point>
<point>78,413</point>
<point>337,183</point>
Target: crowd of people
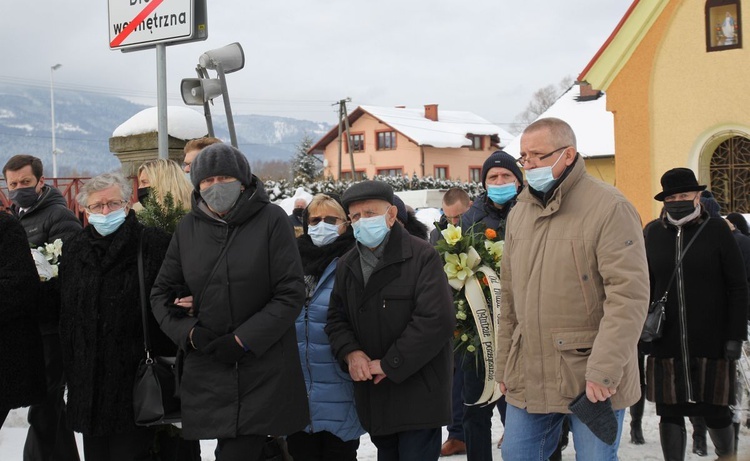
<point>339,319</point>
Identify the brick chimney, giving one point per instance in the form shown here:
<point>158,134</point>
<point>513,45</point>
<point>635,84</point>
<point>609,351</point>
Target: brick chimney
<point>431,112</point>
<point>587,93</point>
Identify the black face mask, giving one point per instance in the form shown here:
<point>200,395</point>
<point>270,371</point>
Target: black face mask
<point>297,212</point>
<point>24,197</point>
<point>143,193</point>
<point>679,209</point>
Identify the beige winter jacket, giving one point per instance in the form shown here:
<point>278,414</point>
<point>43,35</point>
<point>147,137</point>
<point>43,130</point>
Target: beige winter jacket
<point>575,292</point>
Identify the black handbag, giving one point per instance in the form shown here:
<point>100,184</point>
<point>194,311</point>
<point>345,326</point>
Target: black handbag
<point>653,327</point>
<point>155,391</point>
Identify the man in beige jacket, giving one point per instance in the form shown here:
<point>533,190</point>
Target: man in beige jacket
<point>575,293</point>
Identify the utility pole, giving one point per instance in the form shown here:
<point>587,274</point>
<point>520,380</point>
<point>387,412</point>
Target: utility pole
<point>344,121</point>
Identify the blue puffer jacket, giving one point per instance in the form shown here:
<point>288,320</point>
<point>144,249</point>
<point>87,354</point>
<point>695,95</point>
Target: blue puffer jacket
<point>329,389</point>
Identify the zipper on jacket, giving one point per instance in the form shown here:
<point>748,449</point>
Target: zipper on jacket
<point>682,314</point>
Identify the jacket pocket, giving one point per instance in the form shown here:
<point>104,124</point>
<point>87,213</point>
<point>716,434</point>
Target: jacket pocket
<point>574,349</point>
<point>585,276</point>
<point>514,376</point>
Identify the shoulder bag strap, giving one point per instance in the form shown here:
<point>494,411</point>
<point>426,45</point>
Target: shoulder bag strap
<point>679,261</point>
<point>144,299</point>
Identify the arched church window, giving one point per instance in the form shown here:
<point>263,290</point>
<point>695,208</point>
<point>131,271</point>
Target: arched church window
<point>730,175</point>
<point>723,25</point>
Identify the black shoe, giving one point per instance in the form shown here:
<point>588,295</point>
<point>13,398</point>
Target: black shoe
<point>636,434</point>
<point>699,446</point>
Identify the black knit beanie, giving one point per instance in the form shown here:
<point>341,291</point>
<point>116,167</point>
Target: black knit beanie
<point>220,159</point>
<point>503,160</point>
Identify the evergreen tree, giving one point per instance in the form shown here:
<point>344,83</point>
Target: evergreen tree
<point>305,167</point>
<point>165,217</point>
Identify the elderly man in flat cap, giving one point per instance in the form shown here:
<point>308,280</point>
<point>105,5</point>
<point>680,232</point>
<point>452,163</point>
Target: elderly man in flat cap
<point>236,254</point>
<point>390,324</point>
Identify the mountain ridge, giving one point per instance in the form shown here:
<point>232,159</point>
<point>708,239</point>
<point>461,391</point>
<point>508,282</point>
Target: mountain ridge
<point>85,122</point>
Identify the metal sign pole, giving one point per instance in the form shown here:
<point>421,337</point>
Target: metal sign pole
<point>161,98</point>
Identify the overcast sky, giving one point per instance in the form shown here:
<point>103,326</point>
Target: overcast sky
<point>483,56</point>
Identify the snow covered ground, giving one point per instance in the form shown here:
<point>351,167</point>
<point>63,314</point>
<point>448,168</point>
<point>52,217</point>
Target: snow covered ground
<point>13,434</point>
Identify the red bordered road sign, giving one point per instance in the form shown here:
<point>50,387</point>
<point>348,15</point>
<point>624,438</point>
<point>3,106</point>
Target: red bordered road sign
<point>145,23</point>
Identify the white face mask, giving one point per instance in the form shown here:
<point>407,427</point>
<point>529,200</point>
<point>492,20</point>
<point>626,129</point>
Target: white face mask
<point>542,179</point>
<point>323,233</point>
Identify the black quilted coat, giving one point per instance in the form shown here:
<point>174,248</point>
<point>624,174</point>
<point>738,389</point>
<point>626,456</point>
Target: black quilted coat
<point>256,293</point>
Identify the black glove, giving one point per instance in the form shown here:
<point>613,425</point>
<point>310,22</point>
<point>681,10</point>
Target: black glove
<point>598,417</point>
<point>732,350</point>
<point>225,349</point>
<point>201,338</point>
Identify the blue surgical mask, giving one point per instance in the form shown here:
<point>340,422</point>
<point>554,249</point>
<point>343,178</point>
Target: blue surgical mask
<point>323,233</point>
<point>502,194</point>
<point>541,179</point>
<point>105,224</point>
<point>371,232</point>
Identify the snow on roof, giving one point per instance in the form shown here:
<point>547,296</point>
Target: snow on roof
<point>182,123</point>
<point>449,131</point>
<point>593,125</point>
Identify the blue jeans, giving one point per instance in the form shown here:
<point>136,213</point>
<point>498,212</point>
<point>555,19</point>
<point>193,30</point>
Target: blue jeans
<point>530,436</point>
<point>421,444</point>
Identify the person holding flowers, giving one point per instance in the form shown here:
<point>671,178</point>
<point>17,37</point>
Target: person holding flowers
<point>390,323</point>
<point>575,291</point>
<point>502,180</point>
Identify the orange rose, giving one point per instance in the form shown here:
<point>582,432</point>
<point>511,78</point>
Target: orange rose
<point>490,234</point>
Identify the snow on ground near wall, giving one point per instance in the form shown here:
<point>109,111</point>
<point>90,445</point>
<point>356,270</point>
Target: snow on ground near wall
<point>13,435</point>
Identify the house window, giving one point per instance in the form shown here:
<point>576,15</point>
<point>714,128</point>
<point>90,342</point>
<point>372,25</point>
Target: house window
<point>730,175</point>
<point>390,172</point>
<point>723,25</point>
<point>358,142</point>
<point>476,142</point>
<point>441,172</point>
<point>386,140</point>
<point>475,174</point>
<point>358,175</point>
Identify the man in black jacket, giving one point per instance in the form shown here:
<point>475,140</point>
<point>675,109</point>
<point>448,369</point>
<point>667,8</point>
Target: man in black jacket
<point>390,324</point>
<point>45,216</point>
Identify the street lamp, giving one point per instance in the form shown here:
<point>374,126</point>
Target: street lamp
<point>52,110</point>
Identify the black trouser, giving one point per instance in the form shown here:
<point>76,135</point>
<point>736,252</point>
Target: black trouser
<point>49,438</point>
<point>321,446</point>
<point>130,446</point>
<point>242,448</point>
<point>422,445</point>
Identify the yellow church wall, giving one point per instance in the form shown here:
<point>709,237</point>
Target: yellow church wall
<point>628,98</point>
<point>698,97</point>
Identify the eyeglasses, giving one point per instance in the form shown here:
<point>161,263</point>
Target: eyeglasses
<point>537,158</point>
<point>185,165</point>
<point>113,205</point>
<point>315,220</point>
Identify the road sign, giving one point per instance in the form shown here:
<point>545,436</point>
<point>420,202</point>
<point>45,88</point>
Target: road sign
<point>138,24</point>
